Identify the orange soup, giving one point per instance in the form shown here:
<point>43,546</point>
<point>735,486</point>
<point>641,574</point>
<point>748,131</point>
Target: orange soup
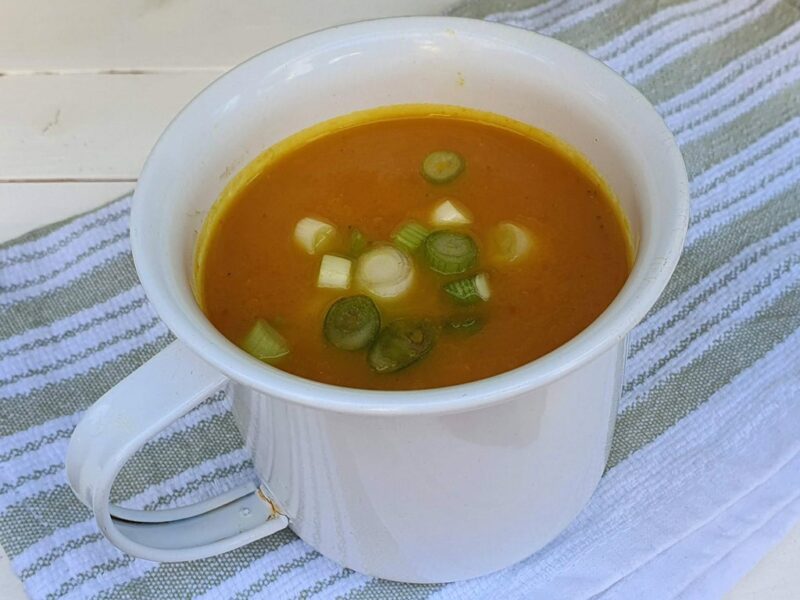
<point>411,247</point>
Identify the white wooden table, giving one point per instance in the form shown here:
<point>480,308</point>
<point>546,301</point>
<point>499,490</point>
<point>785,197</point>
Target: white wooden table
<point>86,88</point>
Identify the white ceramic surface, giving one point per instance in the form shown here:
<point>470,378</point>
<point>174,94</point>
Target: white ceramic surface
<point>423,486</point>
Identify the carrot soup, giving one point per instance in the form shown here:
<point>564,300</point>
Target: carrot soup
<point>411,247</point>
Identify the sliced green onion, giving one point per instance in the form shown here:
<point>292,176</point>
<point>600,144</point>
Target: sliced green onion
<point>385,271</point>
<point>450,212</point>
<point>400,344</point>
<point>410,236</point>
<point>264,342</point>
<point>334,272</point>
<point>470,290</point>
<point>467,325</point>
<point>482,285</point>
<point>448,252</point>
<point>509,243</point>
<point>358,242</point>
<point>442,166</point>
<point>463,290</point>
<point>352,323</point>
<point>313,235</point>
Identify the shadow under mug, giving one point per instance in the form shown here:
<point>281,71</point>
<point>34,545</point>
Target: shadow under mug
<point>421,486</point>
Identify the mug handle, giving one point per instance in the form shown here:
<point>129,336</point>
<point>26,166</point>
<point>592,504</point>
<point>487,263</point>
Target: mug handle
<point>163,389</point>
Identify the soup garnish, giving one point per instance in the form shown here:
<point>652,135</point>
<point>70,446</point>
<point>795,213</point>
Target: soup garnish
<point>400,344</point>
<point>264,342</point>
<point>442,166</point>
<point>450,252</point>
<point>352,323</point>
<point>427,246</point>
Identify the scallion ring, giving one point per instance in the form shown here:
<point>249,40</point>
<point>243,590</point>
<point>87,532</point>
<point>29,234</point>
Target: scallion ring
<point>352,323</point>
<point>450,252</point>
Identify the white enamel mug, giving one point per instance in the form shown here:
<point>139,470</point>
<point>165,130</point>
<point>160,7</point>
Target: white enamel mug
<point>420,486</point>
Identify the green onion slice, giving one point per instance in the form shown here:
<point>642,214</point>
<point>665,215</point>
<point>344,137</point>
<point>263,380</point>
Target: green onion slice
<point>470,290</point>
<point>352,323</point>
<point>450,212</point>
<point>410,236</point>
<point>466,325</point>
<point>400,344</point>
<point>385,271</point>
<point>358,242</point>
<point>264,342</point>
<point>442,166</point>
<point>448,252</point>
<point>509,242</point>
<point>314,236</point>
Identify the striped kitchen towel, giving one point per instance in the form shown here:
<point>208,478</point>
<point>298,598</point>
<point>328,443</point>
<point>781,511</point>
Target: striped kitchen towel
<point>704,473</point>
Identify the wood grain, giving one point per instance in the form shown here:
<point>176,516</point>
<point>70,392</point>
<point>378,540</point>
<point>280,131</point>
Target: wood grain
<point>120,35</point>
<point>87,127</point>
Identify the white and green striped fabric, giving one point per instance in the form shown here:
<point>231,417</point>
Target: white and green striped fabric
<point>704,471</point>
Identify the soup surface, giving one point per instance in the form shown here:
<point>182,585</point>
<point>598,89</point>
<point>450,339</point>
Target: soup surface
<point>530,247</point>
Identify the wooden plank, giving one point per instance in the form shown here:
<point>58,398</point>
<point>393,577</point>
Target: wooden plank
<point>163,34</point>
<point>87,126</point>
<point>27,206</point>
<point>91,126</point>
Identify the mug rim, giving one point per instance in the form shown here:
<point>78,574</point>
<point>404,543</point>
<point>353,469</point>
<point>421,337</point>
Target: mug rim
<point>597,337</point>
